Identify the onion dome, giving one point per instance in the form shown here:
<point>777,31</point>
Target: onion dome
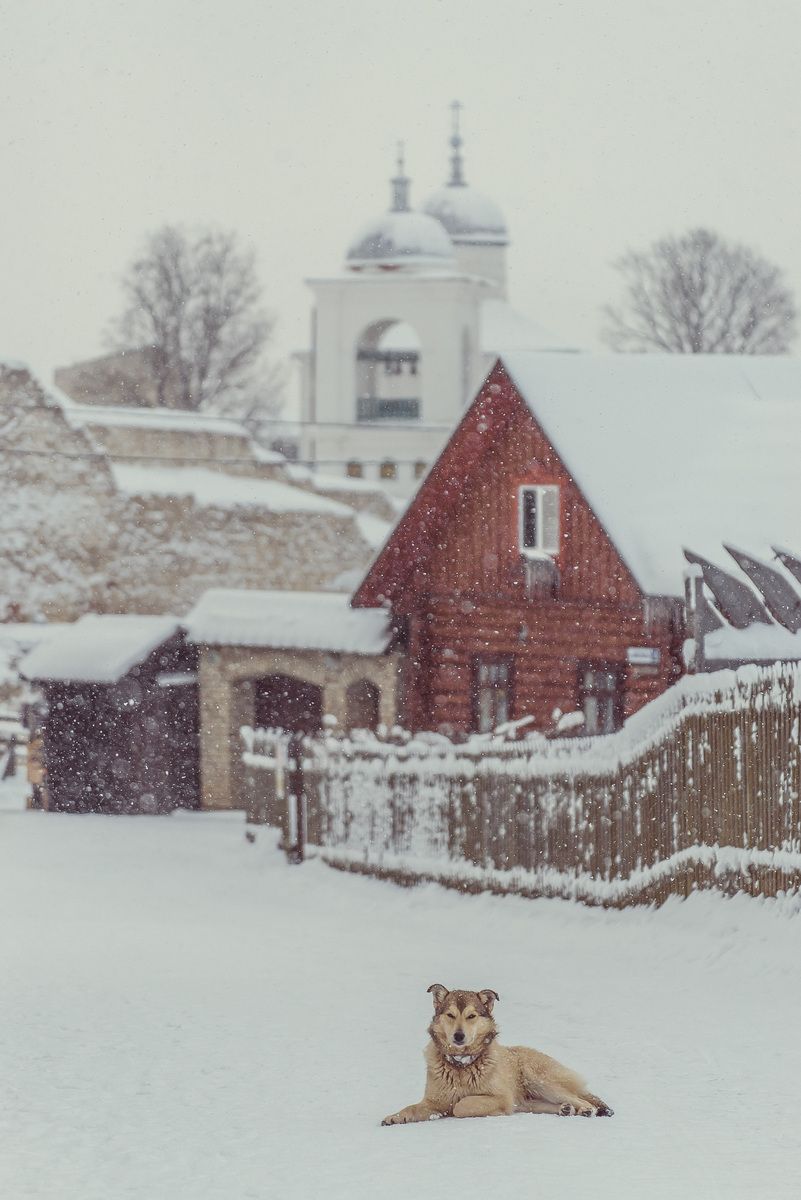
<point>400,237</point>
<point>469,216</point>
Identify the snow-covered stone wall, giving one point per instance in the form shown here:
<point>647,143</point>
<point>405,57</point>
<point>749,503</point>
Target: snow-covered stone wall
<point>75,538</point>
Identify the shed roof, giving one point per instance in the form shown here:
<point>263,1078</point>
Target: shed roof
<point>97,648</point>
<point>674,450</point>
<point>288,621</point>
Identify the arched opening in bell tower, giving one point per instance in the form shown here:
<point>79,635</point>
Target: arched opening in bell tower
<point>388,372</point>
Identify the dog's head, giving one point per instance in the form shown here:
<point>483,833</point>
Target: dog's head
<point>462,1019</point>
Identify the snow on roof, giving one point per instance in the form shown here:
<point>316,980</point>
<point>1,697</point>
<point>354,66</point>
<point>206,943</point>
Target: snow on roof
<point>758,643</point>
<point>152,418</point>
<point>503,328</point>
<point>24,635</point>
<point>215,489</point>
<point>97,648</point>
<point>674,450</point>
<point>468,215</point>
<point>405,237</point>
<point>288,621</point>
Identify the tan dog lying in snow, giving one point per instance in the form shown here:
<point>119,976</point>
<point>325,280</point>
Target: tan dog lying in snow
<point>470,1075</point>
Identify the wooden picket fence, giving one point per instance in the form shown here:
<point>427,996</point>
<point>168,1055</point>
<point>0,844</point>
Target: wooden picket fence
<point>699,790</point>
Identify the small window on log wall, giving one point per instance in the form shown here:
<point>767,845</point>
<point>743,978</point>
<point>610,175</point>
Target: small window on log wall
<point>600,699</point>
<point>492,692</point>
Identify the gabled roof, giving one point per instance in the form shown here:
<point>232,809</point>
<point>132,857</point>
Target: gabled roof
<point>668,450</point>
<point>674,450</point>
<point>97,648</point>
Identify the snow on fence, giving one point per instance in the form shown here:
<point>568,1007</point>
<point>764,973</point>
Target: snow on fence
<point>699,789</point>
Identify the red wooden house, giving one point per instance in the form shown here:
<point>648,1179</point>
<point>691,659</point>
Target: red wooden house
<point>539,566</point>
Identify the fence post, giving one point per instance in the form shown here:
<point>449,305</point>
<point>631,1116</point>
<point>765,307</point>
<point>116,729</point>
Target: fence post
<point>296,823</point>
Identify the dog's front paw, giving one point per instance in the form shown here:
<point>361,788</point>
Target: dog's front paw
<point>412,1114</point>
<point>567,1110</point>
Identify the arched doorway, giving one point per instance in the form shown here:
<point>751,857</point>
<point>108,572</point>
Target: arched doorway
<point>286,702</point>
<point>388,372</point>
<point>362,705</point>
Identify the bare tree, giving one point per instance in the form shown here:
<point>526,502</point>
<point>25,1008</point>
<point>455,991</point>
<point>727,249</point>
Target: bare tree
<point>194,313</point>
<point>698,294</point>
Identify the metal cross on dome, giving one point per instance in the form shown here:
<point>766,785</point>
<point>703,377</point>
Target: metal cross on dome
<point>400,182</point>
<point>457,178</point>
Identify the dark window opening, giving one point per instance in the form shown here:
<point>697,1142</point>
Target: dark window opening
<point>363,702</point>
<point>528,500</point>
<point>285,702</point>
<point>388,469</point>
<point>354,469</point>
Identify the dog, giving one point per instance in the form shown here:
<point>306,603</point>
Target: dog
<point>469,1074</point>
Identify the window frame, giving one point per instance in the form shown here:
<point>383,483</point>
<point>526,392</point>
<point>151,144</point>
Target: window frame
<point>540,489</point>
<point>617,693</point>
<point>491,660</point>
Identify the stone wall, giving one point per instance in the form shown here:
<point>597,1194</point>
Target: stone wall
<point>170,550</point>
<point>71,543</point>
<point>226,702</point>
<point>121,378</point>
<point>57,505</point>
<point>220,450</point>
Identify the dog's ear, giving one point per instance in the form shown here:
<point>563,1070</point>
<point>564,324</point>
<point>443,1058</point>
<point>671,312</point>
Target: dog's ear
<point>439,992</point>
<point>488,998</point>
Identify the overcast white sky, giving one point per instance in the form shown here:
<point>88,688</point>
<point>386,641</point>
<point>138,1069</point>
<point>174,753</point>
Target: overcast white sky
<point>596,124</point>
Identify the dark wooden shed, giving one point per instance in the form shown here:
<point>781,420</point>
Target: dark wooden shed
<point>121,716</point>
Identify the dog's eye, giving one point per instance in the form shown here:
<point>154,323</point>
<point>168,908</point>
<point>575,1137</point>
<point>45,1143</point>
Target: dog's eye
<point>451,1016</point>
<point>471,1016</point>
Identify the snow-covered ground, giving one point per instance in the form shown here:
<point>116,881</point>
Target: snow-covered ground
<point>184,1017</point>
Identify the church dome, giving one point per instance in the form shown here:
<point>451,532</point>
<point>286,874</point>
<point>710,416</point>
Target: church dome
<point>401,238</point>
<point>468,215</point>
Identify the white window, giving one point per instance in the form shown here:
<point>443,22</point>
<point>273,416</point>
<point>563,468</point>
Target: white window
<point>538,508</point>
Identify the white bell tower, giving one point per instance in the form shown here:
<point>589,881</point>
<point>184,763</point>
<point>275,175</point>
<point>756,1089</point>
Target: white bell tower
<point>397,344</point>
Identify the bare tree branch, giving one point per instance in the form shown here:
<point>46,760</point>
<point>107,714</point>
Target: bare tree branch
<point>698,294</point>
<point>193,299</point>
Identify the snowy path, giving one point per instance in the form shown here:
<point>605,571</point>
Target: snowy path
<point>183,1016</point>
